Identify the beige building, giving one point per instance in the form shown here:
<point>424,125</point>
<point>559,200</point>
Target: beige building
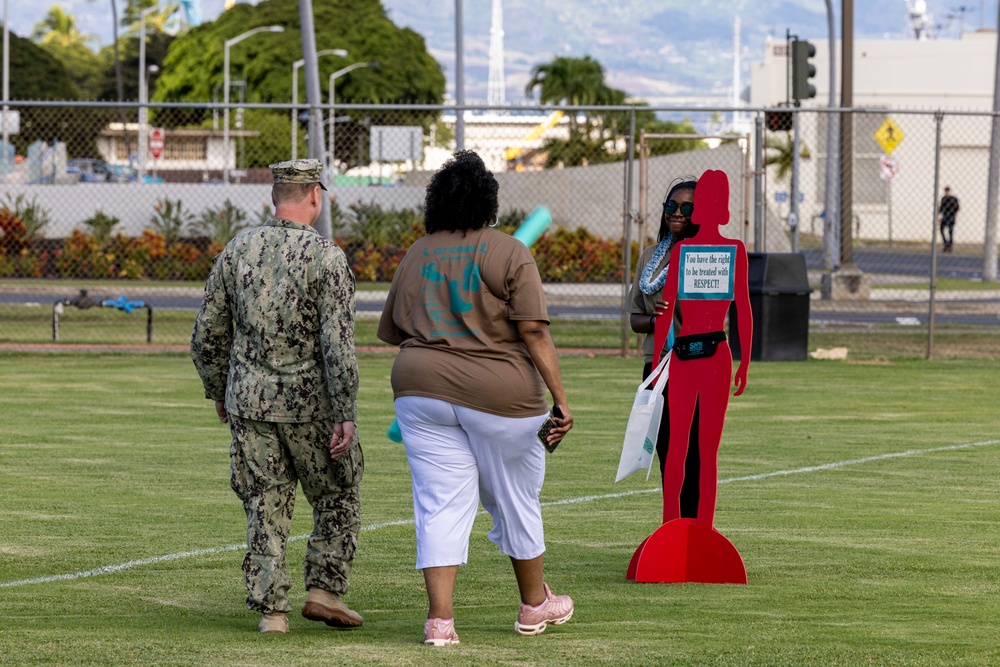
<point>898,76</point>
<point>190,150</point>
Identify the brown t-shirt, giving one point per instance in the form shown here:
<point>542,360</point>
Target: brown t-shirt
<point>453,309</point>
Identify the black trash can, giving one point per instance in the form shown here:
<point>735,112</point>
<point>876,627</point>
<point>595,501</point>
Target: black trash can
<point>779,300</point>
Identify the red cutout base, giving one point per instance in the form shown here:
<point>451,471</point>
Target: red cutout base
<point>687,551</point>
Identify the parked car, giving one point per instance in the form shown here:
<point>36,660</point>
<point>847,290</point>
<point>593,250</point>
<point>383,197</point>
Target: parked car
<point>91,171</point>
<point>99,171</point>
<point>122,173</point>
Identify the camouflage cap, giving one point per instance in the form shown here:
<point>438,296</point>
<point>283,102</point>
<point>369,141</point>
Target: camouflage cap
<point>298,171</point>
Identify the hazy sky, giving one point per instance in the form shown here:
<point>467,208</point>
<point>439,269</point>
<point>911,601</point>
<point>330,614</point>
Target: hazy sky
<point>93,16</point>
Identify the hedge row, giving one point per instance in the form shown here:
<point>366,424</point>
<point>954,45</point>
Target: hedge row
<point>374,240</point>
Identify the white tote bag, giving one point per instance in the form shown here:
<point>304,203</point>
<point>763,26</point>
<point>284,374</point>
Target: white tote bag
<point>639,447</point>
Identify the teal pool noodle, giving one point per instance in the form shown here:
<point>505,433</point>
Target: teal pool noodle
<point>534,226</point>
<point>394,433</point>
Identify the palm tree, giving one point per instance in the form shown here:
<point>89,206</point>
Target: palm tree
<point>158,21</point>
<point>780,153</point>
<point>119,84</point>
<point>59,28</point>
<point>572,81</point>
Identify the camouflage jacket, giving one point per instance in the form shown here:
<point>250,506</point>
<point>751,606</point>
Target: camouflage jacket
<point>274,337</point>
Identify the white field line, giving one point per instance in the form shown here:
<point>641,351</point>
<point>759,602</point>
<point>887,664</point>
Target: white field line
<point>111,569</point>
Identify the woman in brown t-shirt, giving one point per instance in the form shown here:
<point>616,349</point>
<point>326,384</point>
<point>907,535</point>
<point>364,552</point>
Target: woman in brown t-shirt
<point>467,310</point>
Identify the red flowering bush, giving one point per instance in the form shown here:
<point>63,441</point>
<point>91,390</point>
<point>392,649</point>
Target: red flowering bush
<point>374,245</point>
<point>565,256</point>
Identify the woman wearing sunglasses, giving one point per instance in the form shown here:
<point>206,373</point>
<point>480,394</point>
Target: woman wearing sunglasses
<point>647,303</point>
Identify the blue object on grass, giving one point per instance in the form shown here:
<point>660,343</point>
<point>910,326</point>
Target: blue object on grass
<point>123,304</point>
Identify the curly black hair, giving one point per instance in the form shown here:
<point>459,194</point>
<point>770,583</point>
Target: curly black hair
<point>461,195</point>
<point>678,184</point>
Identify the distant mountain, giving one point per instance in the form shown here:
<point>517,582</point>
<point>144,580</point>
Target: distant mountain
<point>662,51</point>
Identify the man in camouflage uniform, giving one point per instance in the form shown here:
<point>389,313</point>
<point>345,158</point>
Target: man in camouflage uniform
<point>274,346</point>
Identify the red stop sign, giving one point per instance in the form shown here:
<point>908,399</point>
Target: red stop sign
<point>156,142</point>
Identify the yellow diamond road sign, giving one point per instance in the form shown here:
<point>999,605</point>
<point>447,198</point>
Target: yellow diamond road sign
<point>888,135</point>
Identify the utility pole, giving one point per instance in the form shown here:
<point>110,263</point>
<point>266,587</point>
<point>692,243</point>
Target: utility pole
<point>831,244</point>
<point>847,133</point>
<point>459,80</point>
<point>313,98</point>
<point>990,238</point>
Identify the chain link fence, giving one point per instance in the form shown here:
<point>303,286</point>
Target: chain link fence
<point>132,204</point>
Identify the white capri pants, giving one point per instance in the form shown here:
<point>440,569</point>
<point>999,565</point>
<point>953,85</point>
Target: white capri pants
<point>458,457</point>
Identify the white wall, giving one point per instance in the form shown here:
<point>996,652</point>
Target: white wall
<point>133,203</point>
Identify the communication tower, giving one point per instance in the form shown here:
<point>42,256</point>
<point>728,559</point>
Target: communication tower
<point>496,89</point>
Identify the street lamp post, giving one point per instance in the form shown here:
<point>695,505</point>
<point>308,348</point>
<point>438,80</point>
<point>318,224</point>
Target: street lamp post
<point>225,90</point>
<point>341,53</point>
<point>143,94</point>
<point>6,76</point>
<point>330,159</point>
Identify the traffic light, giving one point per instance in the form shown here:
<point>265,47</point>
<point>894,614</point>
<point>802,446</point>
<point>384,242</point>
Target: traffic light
<point>802,70</point>
<point>778,121</point>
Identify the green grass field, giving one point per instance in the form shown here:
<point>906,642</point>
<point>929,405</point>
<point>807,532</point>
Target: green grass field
<point>32,326</point>
<point>862,496</point>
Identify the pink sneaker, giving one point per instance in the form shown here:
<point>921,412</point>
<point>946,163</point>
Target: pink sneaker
<point>557,609</point>
<point>440,632</point>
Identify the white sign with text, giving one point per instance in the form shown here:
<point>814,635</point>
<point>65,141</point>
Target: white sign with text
<point>706,272</point>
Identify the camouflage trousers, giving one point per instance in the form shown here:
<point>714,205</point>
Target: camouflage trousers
<point>268,459</point>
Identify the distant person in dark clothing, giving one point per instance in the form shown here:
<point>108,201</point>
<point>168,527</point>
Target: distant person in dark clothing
<point>947,212</point>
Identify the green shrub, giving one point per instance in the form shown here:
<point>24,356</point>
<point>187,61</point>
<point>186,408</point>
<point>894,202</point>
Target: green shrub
<point>380,227</point>
<point>374,240</point>
<point>101,225</point>
<point>30,213</point>
<point>170,218</point>
<point>565,256</point>
<point>220,225</point>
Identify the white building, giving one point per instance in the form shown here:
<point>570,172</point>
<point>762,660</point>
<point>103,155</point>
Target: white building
<point>192,150</point>
<point>492,135</point>
<point>946,75</point>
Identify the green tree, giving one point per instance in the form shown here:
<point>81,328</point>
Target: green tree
<point>779,152</point>
<point>571,81</point>
<point>566,80</point>
<point>157,46</point>
<point>580,82</point>
<point>156,21</point>
<point>40,76</point>
<point>58,35</point>
<point>59,28</point>
<point>406,71</point>
<point>84,67</point>
<point>664,146</point>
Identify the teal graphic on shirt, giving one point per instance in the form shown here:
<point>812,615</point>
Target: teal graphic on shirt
<point>444,297</point>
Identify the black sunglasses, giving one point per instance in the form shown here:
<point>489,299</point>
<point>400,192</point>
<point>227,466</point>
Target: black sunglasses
<point>670,207</point>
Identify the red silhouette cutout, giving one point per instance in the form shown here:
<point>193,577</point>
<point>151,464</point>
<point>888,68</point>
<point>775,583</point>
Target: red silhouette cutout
<point>715,276</point>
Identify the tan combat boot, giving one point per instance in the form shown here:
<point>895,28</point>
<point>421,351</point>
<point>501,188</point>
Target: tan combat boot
<point>274,624</point>
<point>327,607</point>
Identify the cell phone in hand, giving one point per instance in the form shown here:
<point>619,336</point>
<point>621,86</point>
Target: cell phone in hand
<point>548,425</point>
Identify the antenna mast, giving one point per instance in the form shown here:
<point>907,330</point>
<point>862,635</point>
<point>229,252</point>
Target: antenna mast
<point>496,90</point>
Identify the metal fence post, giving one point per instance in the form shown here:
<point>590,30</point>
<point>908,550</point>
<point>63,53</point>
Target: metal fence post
<point>627,235</point>
<point>938,117</point>
<point>793,213</point>
<point>758,184</point>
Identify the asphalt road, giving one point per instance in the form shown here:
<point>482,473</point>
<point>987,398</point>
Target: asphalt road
<point>372,305</point>
<point>949,265</point>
